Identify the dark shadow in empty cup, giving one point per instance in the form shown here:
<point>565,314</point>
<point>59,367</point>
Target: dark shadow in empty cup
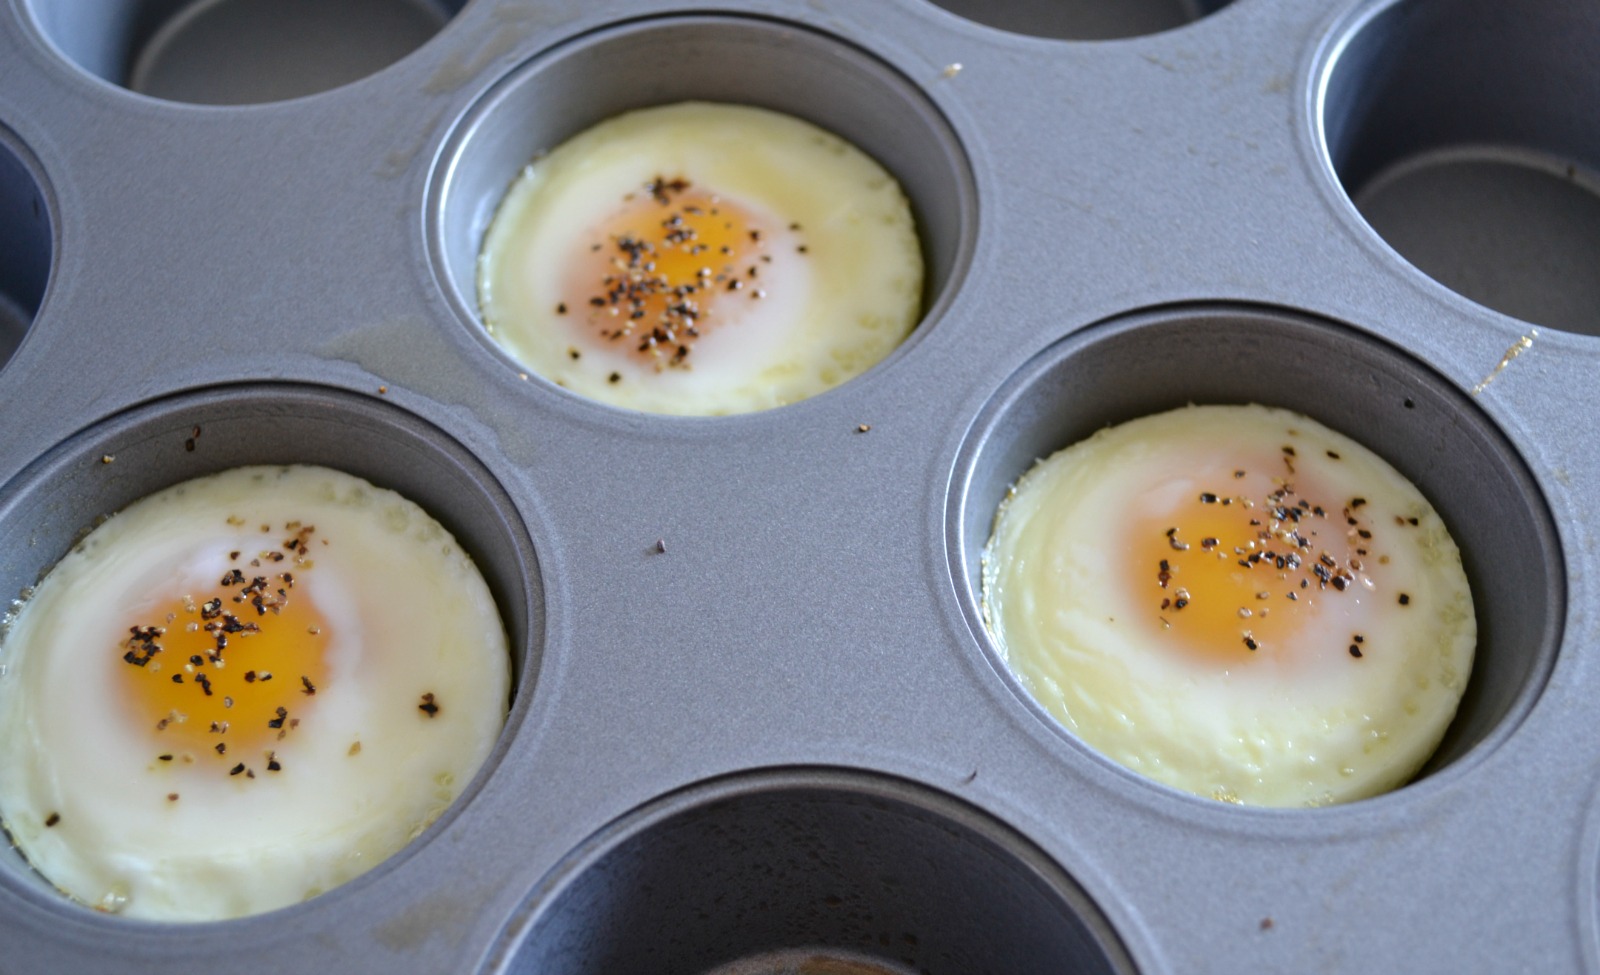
<point>1465,133</point>
<point>238,52</point>
<point>1083,20</point>
<point>809,871</point>
<point>25,244</point>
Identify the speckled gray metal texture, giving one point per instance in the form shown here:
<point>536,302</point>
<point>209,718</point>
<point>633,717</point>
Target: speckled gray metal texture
<point>1112,226</point>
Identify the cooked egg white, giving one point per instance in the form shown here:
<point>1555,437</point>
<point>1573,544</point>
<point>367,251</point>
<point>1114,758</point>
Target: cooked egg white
<point>701,259</point>
<point>242,691</point>
<point>1236,601</point>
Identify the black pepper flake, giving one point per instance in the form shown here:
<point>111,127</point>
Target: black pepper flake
<point>428,705</point>
<point>1288,450</point>
<point>272,763</point>
<point>1250,642</point>
<point>278,721</point>
<point>1355,651</point>
<point>52,819</point>
<point>1405,600</point>
<point>306,687</point>
<point>177,678</point>
<point>204,682</point>
<point>167,757</point>
<point>1357,502</point>
<point>221,748</point>
<point>615,377</point>
<point>236,769</point>
<point>662,189</point>
<point>561,309</point>
<point>1208,498</point>
<point>1360,639</point>
<point>1334,454</point>
<point>249,677</point>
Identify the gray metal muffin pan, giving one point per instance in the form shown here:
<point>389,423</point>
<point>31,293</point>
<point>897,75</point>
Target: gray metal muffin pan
<point>782,727</point>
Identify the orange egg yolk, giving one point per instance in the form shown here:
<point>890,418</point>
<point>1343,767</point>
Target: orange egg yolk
<point>225,674</point>
<point>656,276</point>
<point>1238,567</point>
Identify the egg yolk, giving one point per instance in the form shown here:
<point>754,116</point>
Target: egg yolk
<point>223,675</point>
<point>1237,568</point>
<point>658,274</point>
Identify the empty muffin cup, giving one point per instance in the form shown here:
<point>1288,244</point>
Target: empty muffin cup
<point>811,871</point>
<point>1462,130</point>
<point>1083,20</point>
<point>238,52</point>
<point>1415,420</point>
<point>26,244</point>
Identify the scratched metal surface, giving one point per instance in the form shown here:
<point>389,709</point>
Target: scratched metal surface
<point>1113,226</point>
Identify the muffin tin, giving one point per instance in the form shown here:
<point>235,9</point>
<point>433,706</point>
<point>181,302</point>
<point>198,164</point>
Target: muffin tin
<point>755,708</point>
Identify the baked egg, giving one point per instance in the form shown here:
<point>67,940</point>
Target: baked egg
<point>242,691</point>
<point>1236,601</point>
<point>702,259</point>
